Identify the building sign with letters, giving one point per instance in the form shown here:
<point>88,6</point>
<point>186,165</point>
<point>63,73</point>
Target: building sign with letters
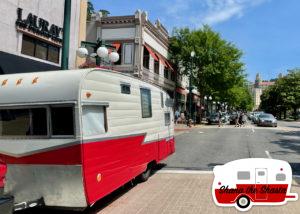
<point>38,26</point>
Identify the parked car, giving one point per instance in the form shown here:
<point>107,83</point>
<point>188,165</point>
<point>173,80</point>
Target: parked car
<point>256,116</point>
<point>213,119</point>
<point>267,120</point>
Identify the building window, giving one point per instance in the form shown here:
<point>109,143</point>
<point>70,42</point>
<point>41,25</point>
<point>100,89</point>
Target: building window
<point>94,120</point>
<point>146,103</point>
<point>119,51</point>
<point>23,122</point>
<point>172,76</point>
<point>162,99</point>
<point>146,58</point>
<point>128,53</point>
<point>62,120</point>
<point>156,66</point>
<point>28,46</point>
<point>243,175</point>
<point>166,73</point>
<point>125,88</point>
<point>39,49</point>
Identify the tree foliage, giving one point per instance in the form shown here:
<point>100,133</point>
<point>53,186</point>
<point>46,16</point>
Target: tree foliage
<point>283,95</point>
<point>217,67</point>
<point>90,10</point>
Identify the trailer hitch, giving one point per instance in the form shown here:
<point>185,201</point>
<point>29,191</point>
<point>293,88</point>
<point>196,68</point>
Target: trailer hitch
<point>29,204</point>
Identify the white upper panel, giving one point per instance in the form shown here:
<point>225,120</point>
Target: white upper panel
<point>118,33</point>
<point>149,39</point>
<point>50,86</point>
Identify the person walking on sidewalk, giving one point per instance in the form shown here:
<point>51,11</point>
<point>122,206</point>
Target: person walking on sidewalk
<point>237,117</point>
<point>219,118</point>
<point>177,115</point>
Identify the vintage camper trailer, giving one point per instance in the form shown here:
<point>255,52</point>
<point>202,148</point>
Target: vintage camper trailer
<point>254,181</point>
<point>69,138</point>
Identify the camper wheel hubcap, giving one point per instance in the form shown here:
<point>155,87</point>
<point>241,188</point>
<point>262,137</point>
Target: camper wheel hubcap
<point>243,202</point>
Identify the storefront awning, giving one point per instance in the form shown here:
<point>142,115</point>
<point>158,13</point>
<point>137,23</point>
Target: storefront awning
<point>152,53</point>
<point>117,45</point>
<point>169,65</point>
<point>163,61</point>
<point>181,91</point>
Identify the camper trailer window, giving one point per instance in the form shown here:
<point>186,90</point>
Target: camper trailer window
<point>280,177</point>
<point>125,88</point>
<point>146,103</point>
<point>62,120</point>
<point>167,119</point>
<point>94,120</point>
<point>261,173</point>
<point>23,122</point>
<point>243,175</point>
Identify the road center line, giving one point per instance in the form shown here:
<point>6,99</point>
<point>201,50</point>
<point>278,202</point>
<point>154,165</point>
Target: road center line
<point>268,154</point>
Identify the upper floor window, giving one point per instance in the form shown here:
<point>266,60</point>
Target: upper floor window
<point>39,49</point>
<point>119,51</point>
<point>146,58</point>
<point>166,73</point>
<point>156,66</point>
<point>172,76</point>
<point>128,53</point>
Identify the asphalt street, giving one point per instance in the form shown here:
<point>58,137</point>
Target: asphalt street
<point>203,148</point>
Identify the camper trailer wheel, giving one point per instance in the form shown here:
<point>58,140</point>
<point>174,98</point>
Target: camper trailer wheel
<point>243,202</point>
<point>145,175</point>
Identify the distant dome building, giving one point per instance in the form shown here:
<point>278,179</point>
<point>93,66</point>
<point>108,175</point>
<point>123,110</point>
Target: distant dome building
<point>259,86</point>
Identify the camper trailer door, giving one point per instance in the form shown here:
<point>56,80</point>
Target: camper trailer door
<point>260,179</point>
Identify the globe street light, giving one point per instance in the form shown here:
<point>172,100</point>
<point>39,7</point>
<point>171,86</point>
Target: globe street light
<point>100,51</point>
<point>190,92</point>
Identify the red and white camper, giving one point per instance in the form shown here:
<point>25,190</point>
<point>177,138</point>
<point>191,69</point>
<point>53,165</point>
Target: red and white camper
<point>254,181</point>
<point>69,138</point>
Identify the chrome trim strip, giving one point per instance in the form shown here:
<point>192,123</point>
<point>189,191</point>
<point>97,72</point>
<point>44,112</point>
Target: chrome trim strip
<point>114,137</point>
<point>47,149</point>
<point>38,103</point>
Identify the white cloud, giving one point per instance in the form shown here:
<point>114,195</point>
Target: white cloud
<point>197,12</point>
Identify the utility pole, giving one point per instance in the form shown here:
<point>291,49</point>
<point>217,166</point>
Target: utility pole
<point>66,36</point>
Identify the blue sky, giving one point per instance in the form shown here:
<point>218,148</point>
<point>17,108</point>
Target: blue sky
<point>268,31</point>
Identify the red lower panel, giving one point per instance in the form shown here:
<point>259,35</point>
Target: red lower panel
<point>63,156</point>
<point>257,193</point>
<point>112,163</point>
<point>2,174</point>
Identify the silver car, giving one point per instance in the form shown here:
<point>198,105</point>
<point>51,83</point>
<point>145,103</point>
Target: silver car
<point>267,120</point>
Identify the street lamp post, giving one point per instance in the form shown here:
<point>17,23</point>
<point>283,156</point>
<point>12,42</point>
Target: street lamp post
<point>100,51</point>
<point>190,84</point>
<point>210,98</point>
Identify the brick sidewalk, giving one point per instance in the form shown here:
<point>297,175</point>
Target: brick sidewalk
<point>181,193</point>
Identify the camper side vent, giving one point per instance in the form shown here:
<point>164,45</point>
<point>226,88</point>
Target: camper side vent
<point>125,88</point>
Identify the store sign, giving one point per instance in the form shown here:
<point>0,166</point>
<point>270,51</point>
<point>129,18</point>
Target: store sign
<point>38,26</point>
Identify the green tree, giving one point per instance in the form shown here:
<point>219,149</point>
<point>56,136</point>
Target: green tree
<point>283,95</point>
<point>90,10</point>
<point>217,67</point>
